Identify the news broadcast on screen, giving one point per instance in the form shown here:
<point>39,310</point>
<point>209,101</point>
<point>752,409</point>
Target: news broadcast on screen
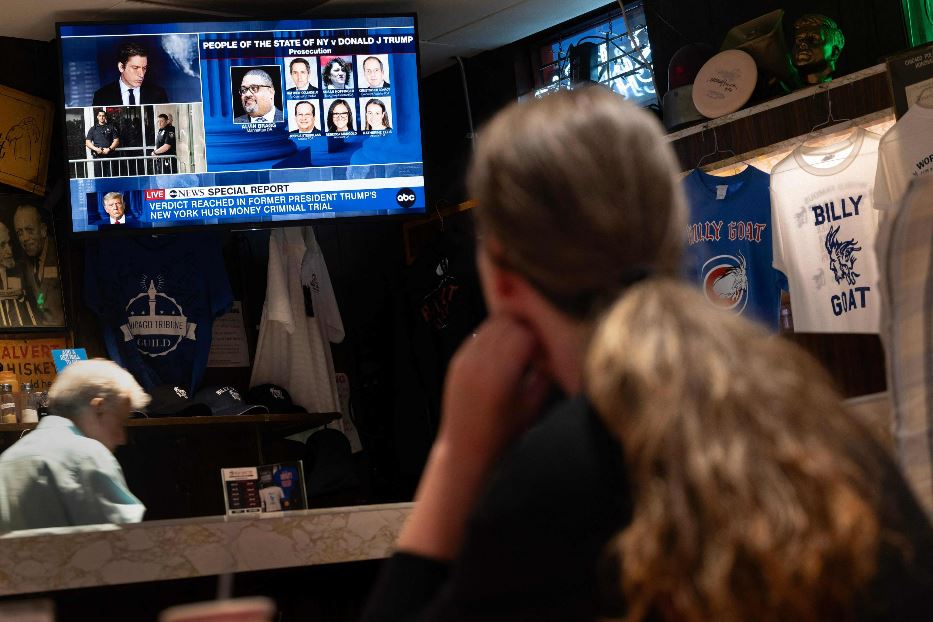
<point>241,123</point>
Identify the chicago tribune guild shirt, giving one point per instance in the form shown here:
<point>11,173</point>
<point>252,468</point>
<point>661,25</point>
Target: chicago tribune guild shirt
<point>906,151</point>
<point>824,234</point>
<point>157,297</point>
<point>729,244</point>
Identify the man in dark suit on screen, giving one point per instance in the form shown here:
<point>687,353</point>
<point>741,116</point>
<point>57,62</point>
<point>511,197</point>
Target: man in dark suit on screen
<point>130,88</point>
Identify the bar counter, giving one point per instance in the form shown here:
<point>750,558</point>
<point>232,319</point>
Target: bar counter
<point>105,555</point>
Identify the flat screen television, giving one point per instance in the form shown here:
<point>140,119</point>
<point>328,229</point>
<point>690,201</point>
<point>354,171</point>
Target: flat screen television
<point>241,123</point>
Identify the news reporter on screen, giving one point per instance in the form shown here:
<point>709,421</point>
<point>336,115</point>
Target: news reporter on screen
<point>257,95</point>
<point>338,74</point>
<point>374,73</point>
<point>376,116</point>
<point>131,88</point>
<point>339,117</point>
<point>304,119</point>
<point>300,71</point>
<point>64,473</point>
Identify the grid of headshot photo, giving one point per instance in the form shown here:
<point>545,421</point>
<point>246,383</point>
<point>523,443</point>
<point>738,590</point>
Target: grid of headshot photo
<point>133,107</point>
<point>337,96</point>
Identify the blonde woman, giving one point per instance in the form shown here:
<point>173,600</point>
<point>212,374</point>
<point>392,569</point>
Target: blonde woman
<point>756,496</point>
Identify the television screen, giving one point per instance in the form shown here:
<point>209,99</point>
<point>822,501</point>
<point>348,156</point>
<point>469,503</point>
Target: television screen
<point>241,123</point>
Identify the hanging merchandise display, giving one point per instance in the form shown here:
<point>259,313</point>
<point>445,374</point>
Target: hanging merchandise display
<point>824,234</point>
<point>729,247</point>
<point>300,320</point>
<point>906,152</point>
<point>157,297</point>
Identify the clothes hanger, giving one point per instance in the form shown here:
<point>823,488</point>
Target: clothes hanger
<point>716,150</point>
<point>841,123</point>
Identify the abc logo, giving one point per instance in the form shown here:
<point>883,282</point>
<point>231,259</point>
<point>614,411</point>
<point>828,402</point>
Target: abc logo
<point>405,197</point>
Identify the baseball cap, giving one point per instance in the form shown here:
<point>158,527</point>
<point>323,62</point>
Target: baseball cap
<point>273,397</point>
<point>172,401</point>
<point>225,400</point>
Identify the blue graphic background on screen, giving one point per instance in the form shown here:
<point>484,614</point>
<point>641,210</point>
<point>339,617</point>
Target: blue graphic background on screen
<point>91,62</point>
<point>232,147</point>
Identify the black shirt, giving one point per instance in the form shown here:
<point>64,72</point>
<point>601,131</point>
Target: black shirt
<point>534,546</point>
<point>102,136</point>
<point>166,136</point>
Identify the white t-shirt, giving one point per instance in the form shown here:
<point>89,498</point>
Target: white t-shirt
<point>300,320</point>
<point>906,152</point>
<point>271,499</point>
<point>824,234</point>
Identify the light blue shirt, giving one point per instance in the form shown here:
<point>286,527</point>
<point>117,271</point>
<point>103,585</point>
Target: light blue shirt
<point>55,477</point>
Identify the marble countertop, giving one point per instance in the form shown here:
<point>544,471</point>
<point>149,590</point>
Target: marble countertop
<point>64,558</point>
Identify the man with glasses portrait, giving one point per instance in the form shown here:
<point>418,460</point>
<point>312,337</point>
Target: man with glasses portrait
<point>257,95</point>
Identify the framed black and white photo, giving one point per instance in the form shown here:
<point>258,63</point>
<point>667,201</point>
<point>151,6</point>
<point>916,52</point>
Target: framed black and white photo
<point>30,279</point>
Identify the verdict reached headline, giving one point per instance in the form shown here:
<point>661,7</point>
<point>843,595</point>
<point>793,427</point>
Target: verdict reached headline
<point>274,200</point>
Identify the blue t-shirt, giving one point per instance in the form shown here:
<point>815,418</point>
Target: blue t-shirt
<point>729,243</point>
<point>157,297</point>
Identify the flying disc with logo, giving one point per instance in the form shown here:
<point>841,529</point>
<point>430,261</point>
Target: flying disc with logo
<point>724,83</point>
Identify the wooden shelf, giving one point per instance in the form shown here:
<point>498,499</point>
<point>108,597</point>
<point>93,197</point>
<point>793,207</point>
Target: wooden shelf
<point>754,129</point>
<point>309,420</point>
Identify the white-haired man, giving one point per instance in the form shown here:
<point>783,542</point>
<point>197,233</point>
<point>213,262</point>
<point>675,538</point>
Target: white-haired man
<point>64,472</point>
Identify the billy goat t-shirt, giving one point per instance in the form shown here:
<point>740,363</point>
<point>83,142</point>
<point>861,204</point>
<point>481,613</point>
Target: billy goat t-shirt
<point>824,234</point>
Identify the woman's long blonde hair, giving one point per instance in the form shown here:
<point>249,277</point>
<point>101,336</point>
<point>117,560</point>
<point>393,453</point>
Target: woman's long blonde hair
<point>755,493</point>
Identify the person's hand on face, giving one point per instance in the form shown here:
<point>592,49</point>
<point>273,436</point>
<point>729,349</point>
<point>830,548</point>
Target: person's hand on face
<point>492,392</point>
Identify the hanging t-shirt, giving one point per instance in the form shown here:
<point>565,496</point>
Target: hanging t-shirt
<point>824,234</point>
<point>729,248</point>
<point>299,319</point>
<point>906,152</point>
<point>157,297</point>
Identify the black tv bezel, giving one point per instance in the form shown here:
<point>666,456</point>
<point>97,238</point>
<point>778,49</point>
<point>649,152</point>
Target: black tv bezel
<point>228,227</point>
